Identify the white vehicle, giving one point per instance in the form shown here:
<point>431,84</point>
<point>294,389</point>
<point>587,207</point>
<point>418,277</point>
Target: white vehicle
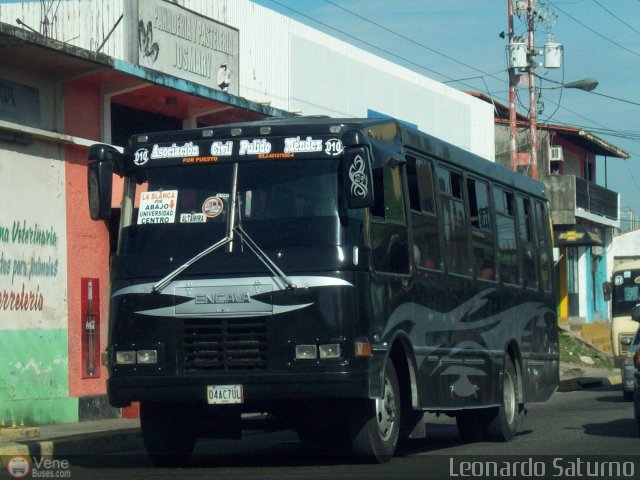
<point>625,294</point>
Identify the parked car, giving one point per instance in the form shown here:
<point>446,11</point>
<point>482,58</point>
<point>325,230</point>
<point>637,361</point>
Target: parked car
<point>628,368</point>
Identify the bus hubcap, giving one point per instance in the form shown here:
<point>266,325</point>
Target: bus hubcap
<point>509,398</point>
<point>386,411</point>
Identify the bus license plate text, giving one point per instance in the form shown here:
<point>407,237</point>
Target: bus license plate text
<point>224,394</point>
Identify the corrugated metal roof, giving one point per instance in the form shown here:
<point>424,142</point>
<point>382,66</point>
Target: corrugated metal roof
<point>576,135</point>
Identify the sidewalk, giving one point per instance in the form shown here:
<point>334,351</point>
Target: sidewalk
<point>121,434</point>
<point>577,377</point>
<point>82,438</point>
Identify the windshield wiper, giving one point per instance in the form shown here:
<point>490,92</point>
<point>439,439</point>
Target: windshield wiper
<point>248,241</point>
<point>264,258</point>
<point>244,238</point>
<point>158,287</point>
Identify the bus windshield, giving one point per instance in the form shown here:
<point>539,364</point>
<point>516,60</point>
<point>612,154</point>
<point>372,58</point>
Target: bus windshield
<point>626,292</point>
<point>180,211</point>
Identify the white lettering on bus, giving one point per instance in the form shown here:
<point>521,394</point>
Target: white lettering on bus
<point>186,150</point>
<point>220,149</point>
<point>297,145</point>
<point>254,147</point>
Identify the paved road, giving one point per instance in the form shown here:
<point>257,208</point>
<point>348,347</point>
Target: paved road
<point>582,423</point>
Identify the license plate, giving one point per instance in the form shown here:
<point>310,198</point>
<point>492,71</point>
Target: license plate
<point>224,394</point>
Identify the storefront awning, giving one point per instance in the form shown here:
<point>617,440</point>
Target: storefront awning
<point>577,236</point>
<point>127,84</point>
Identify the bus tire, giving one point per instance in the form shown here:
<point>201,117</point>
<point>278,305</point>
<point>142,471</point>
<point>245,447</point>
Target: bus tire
<point>167,433</point>
<point>503,421</point>
<point>375,424</point>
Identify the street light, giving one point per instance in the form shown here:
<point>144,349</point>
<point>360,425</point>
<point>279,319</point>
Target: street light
<point>522,59</point>
<point>586,84</point>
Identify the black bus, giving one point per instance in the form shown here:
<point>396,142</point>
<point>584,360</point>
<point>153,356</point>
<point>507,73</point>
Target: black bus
<point>342,276</point>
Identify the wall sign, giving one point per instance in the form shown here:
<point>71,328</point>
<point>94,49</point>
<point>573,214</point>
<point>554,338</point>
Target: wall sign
<point>19,103</point>
<point>33,246</point>
<point>182,43</point>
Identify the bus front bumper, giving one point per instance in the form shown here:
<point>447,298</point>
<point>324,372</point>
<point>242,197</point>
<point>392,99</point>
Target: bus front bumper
<point>257,389</point>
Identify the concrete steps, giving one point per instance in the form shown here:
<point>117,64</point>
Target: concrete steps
<point>596,335</point>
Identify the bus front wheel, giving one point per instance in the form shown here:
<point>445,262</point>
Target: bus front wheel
<point>375,424</point>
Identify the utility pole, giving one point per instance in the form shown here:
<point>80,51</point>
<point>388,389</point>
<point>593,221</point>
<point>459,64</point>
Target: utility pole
<point>513,78</point>
<point>522,59</point>
<point>533,107</point>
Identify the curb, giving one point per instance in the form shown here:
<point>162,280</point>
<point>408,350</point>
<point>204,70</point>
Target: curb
<point>581,383</point>
<point>82,444</point>
<point>16,434</point>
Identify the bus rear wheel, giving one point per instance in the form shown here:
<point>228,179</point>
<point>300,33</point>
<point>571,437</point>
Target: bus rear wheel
<point>167,432</point>
<point>495,423</point>
<point>375,424</point>
<point>503,421</point>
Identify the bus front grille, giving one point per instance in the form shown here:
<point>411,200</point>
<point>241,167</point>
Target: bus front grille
<point>225,344</point>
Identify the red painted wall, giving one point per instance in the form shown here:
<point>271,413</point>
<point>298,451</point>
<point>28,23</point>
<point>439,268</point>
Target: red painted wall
<point>88,241</point>
<point>577,156</point>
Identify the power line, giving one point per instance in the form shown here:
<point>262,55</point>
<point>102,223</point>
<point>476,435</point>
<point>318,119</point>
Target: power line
<point>484,74</point>
<point>628,135</point>
<point>362,41</point>
<point>631,174</point>
<point>615,98</point>
<point>476,77</point>
<point>595,32</point>
<point>603,130</point>
<point>615,16</point>
<point>588,91</point>
<point>426,47</point>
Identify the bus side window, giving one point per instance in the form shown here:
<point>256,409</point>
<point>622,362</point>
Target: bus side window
<point>389,238</point>
<point>525,228</point>
<point>426,238</point>
<point>507,243</point>
<point>544,243</point>
<point>482,244</point>
<point>456,246</point>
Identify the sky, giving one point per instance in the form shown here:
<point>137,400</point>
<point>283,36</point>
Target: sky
<point>458,42</point>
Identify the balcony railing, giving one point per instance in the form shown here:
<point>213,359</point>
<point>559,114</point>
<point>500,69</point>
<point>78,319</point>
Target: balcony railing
<point>596,199</point>
<point>570,196</point>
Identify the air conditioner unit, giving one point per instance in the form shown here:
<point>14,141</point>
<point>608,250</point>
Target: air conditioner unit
<point>556,154</point>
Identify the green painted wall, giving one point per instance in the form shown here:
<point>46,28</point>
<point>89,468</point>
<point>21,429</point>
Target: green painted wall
<point>34,377</point>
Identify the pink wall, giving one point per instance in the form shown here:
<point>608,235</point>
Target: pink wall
<point>574,158</point>
<point>88,241</point>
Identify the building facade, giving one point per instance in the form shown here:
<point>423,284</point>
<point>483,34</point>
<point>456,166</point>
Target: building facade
<point>100,70</point>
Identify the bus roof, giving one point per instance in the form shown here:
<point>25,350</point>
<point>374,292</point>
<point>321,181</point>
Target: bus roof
<point>386,134</point>
<point>620,264</point>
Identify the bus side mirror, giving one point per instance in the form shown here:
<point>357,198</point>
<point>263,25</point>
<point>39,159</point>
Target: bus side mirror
<point>635,313</point>
<point>100,152</point>
<point>357,177</point>
<point>606,291</point>
<point>99,180</point>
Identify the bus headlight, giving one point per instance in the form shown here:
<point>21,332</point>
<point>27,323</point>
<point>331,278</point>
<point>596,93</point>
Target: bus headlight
<point>330,350</point>
<point>306,352</point>
<point>127,357</point>
<point>147,357</point>
<point>144,356</point>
